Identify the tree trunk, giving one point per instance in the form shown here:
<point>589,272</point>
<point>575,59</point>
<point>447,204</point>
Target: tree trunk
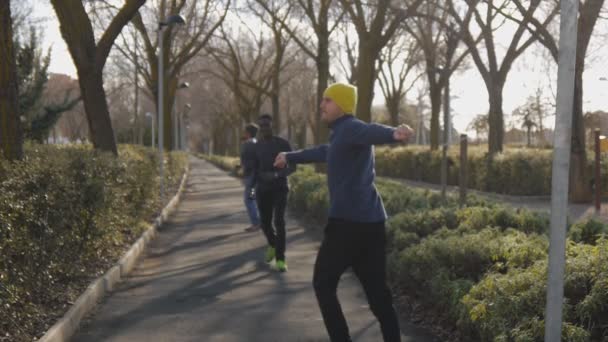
<point>366,76</point>
<point>11,143</point>
<point>274,99</point>
<point>580,190</point>
<point>236,139</point>
<point>301,136</point>
<point>528,136</point>
<point>495,119</point>
<point>96,109</point>
<point>321,128</point>
<point>392,104</point>
<point>169,92</point>
<point>90,58</point>
<point>276,85</point>
<point>435,94</point>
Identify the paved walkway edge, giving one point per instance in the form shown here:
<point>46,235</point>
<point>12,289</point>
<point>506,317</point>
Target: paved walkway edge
<point>65,328</point>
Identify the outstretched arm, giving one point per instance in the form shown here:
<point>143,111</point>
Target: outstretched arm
<point>361,133</point>
<point>316,154</point>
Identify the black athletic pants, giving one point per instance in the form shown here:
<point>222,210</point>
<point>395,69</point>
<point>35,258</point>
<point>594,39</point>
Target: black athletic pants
<point>361,246</point>
<point>272,203</point>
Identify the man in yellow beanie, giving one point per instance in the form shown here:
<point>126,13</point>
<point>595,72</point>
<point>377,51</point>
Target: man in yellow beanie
<point>355,233</point>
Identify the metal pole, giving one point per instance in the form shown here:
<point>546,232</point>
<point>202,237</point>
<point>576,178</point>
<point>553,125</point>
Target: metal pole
<point>444,153</point>
<point>464,160</point>
<point>161,80</point>
<point>598,181</point>
<point>561,168</point>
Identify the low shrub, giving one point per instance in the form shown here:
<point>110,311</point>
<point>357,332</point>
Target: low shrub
<point>67,213</point>
<point>510,306</point>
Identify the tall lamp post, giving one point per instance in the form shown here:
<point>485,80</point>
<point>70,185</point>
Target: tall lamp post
<point>183,126</point>
<point>176,117</point>
<point>170,21</point>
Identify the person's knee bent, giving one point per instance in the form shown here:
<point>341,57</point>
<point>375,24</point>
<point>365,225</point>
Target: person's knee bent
<point>323,286</point>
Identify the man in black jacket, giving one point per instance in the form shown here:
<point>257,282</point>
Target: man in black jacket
<point>271,190</point>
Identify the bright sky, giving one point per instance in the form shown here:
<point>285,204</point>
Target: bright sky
<point>527,74</point>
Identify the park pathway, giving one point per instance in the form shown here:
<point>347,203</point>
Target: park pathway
<point>203,279</point>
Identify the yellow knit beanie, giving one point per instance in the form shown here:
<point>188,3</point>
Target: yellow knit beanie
<point>344,95</point>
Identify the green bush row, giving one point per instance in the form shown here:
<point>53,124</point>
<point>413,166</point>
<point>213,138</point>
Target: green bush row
<point>481,268</point>
<point>516,171</point>
<point>67,213</point>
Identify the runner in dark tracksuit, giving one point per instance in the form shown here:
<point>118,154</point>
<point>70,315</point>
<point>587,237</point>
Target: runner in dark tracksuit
<point>247,157</point>
<point>271,190</point>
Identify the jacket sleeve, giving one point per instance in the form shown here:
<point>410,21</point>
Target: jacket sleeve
<point>253,160</point>
<point>291,167</point>
<point>316,154</point>
<point>362,133</point>
<point>248,158</point>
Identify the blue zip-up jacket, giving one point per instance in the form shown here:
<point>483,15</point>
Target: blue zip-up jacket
<point>350,168</point>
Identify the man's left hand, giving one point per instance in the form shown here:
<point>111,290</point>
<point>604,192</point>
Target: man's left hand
<point>281,160</point>
<point>403,133</point>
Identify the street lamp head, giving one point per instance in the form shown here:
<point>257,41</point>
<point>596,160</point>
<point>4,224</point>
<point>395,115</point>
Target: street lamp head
<point>184,85</point>
<point>603,79</point>
<point>148,114</point>
<point>188,106</point>
<point>172,20</point>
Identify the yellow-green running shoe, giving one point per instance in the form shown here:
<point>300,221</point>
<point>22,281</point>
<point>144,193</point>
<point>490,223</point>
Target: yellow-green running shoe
<point>281,266</point>
<point>270,254</point>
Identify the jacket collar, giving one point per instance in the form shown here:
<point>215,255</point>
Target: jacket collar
<point>340,120</point>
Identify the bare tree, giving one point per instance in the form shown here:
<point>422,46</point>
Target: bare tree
<point>397,61</point>
<point>11,140</point>
<point>525,115</point>
<point>244,67</point>
<point>480,125</point>
<point>348,47</point>
<point>273,19</point>
<point>62,88</point>
<point>589,12</point>
<point>439,41</point>
<point>486,15</point>
<point>375,24</point>
<point>90,58</point>
<point>316,15</point>
<point>298,100</point>
<point>181,45</point>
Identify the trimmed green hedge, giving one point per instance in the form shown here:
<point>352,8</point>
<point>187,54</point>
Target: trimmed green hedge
<point>516,171</point>
<point>481,269</point>
<point>67,213</point>
<point>509,306</point>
